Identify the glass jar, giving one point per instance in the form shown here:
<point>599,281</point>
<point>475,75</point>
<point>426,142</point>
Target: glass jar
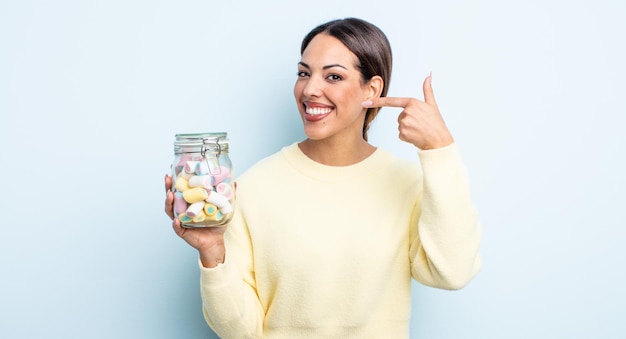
<point>203,182</point>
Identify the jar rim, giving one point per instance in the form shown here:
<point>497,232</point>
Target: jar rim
<point>201,135</point>
<point>193,138</point>
<point>196,142</point>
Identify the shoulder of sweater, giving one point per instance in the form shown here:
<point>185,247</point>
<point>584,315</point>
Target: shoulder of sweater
<point>401,164</point>
<point>267,163</point>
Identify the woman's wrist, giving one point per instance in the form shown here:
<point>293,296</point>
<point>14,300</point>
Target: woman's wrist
<point>213,255</point>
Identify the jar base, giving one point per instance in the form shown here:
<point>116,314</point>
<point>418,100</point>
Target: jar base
<point>202,226</point>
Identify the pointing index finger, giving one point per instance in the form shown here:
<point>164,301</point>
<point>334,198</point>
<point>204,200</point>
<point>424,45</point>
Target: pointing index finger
<point>387,102</point>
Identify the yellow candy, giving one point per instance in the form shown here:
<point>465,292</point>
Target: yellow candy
<point>195,194</point>
<point>210,209</point>
<point>184,218</point>
<point>181,184</point>
<point>215,217</point>
<point>200,217</point>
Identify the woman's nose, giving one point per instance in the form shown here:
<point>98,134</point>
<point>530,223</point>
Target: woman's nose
<point>313,87</point>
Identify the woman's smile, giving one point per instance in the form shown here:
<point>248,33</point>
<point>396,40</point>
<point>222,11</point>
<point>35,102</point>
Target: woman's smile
<point>316,111</point>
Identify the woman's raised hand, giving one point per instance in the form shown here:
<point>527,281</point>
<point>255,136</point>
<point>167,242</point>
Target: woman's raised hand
<point>420,122</point>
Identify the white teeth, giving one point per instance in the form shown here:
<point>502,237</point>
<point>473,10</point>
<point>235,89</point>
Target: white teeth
<point>317,110</point>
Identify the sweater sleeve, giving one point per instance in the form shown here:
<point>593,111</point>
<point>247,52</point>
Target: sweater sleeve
<point>230,303</point>
<point>445,232</point>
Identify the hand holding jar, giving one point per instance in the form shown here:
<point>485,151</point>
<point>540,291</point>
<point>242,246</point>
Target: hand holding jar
<point>200,193</point>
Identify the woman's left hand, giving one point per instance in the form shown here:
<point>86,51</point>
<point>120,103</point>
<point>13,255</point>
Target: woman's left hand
<point>420,122</point>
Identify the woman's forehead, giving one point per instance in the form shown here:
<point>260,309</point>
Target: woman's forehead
<point>326,50</point>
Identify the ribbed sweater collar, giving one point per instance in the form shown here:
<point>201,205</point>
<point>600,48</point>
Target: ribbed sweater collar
<point>305,165</point>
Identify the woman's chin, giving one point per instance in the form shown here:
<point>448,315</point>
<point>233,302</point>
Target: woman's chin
<point>315,134</point>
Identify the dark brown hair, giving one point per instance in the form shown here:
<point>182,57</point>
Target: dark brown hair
<point>371,47</point>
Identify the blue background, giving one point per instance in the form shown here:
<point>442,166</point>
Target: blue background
<point>92,93</point>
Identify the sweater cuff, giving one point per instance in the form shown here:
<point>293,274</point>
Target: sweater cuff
<point>445,152</point>
<point>217,277</point>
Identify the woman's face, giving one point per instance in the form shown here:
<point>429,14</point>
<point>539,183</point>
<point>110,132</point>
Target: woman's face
<point>328,90</point>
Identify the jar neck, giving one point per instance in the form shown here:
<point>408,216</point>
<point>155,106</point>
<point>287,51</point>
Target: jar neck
<point>203,143</point>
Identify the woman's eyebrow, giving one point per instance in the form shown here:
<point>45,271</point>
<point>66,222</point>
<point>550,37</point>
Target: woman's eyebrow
<point>325,67</point>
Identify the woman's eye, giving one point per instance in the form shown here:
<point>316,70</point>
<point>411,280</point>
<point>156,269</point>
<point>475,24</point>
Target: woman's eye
<point>302,74</point>
<point>334,77</point>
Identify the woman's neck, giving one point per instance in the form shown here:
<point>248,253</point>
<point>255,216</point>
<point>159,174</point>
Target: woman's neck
<point>337,152</point>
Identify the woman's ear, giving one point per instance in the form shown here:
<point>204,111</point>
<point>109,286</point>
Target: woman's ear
<point>374,87</point>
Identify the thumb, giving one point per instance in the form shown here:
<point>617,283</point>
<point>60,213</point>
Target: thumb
<point>429,96</point>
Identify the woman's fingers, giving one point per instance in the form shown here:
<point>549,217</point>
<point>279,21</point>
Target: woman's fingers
<point>420,122</point>
<point>429,98</point>
<point>169,197</point>
<point>168,183</point>
<point>429,95</point>
<point>388,102</point>
<point>169,204</point>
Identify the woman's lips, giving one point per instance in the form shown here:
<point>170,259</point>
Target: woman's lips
<point>316,112</point>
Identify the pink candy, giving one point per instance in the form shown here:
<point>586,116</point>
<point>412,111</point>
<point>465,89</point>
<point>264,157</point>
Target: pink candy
<point>220,175</point>
<point>180,205</point>
<point>225,189</point>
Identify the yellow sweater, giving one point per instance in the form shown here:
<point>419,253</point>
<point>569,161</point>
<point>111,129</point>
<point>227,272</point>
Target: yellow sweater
<point>317,251</point>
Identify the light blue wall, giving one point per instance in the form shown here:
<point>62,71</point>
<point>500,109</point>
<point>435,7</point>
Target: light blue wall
<point>92,92</point>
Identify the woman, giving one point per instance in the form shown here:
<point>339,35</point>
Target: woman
<point>329,231</point>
